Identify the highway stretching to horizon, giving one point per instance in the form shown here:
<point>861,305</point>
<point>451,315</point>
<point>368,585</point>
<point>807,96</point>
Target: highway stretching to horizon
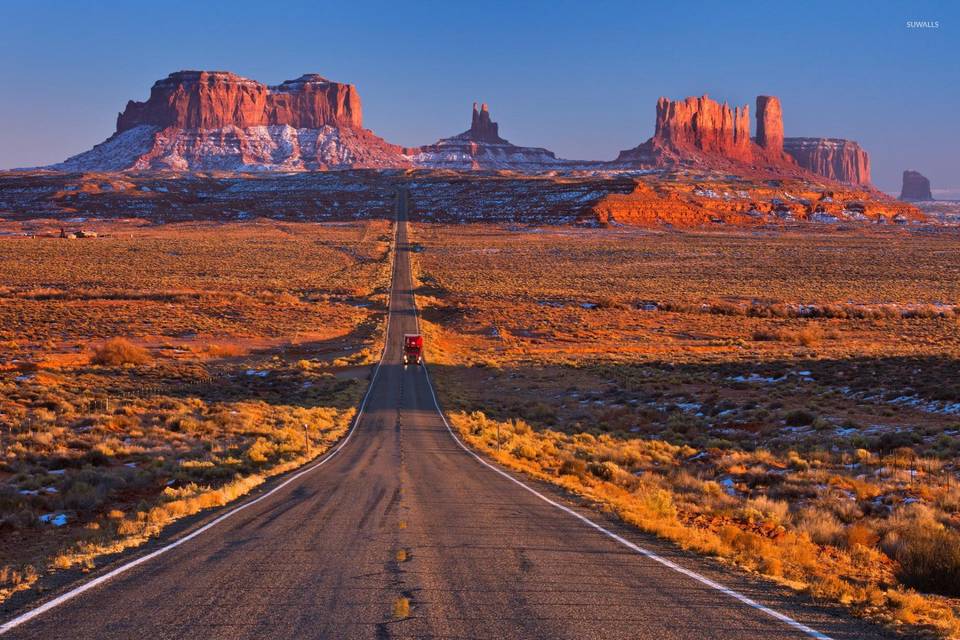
<point>402,510</point>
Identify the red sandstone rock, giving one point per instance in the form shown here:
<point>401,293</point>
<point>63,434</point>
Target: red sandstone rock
<point>770,124</point>
<point>704,125</point>
<point>916,187</point>
<point>204,120</point>
<point>482,128</point>
<point>216,99</point>
<point>702,133</point>
<point>841,160</point>
<point>214,120</point>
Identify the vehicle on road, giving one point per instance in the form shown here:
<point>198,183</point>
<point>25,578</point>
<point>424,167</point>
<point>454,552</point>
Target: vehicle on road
<point>412,348</point>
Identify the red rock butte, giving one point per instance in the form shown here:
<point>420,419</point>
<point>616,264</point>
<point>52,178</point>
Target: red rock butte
<point>698,131</point>
<point>835,158</point>
<point>482,128</point>
<point>916,187</point>
<point>704,125</point>
<point>481,148</point>
<point>770,124</point>
<point>216,120</point>
<point>217,99</point>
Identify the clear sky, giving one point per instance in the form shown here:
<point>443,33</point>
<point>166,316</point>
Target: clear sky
<point>580,78</point>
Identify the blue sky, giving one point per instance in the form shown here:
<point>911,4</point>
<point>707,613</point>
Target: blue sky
<point>580,78</point>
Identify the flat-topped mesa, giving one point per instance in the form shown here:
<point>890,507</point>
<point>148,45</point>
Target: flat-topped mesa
<point>834,158</point>
<point>311,101</point>
<point>482,128</point>
<point>704,125</point>
<point>219,121</point>
<point>217,99</point>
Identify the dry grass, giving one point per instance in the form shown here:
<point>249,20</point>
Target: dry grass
<point>119,351</point>
<point>929,557</point>
<point>401,608</point>
<point>785,401</point>
<point>238,361</point>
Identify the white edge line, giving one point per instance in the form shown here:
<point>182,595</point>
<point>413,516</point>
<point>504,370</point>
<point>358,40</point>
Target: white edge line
<point>73,593</point>
<point>813,633</point>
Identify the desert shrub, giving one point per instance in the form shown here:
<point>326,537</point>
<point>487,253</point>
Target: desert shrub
<point>521,428</point>
<point>526,451</point>
<point>775,511</point>
<point>260,451</point>
<point>11,576</point>
<point>659,503</point>
<point>278,298</point>
<point>224,350</point>
<point>765,335</point>
<point>799,418</point>
<point>891,440</point>
<point>81,496</point>
<point>725,309</point>
<point>602,470</point>
<point>810,336</point>
<point>822,526</point>
<point>119,351</point>
<point>753,550</point>
<point>860,533</point>
<point>573,467</point>
<point>929,558</point>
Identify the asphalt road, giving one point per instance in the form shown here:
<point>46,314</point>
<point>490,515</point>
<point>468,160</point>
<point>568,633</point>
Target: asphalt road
<point>486,558</point>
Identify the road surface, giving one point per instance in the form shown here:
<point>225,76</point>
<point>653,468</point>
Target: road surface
<point>485,556</point>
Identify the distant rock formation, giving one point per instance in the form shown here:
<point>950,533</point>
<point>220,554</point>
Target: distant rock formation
<point>704,125</point>
<point>215,120</point>
<point>770,124</point>
<point>699,132</point>
<point>835,158</point>
<point>217,99</point>
<point>712,201</point>
<point>481,147</point>
<point>916,187</point>
<point>482,128</point>
<point>219,121</point>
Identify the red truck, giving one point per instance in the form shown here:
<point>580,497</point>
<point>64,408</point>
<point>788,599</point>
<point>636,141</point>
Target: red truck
<point>412,348</point>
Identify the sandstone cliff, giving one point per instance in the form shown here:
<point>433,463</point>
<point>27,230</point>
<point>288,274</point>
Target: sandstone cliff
<point>840,160</point>
<point>704,125</point>
<point>217,99</point>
